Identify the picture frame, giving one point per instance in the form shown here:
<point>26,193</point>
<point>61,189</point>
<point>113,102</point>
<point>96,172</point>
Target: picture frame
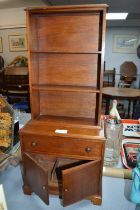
<point>125,43</point>
<point>17,42</point>
<point>1,45</point>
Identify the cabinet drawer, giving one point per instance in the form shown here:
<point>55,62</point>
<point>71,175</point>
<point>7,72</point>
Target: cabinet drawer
<point>67,147</point>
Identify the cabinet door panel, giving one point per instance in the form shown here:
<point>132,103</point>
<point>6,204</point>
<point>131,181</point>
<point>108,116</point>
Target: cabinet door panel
<point>36,177</point>
<point>80,182</point>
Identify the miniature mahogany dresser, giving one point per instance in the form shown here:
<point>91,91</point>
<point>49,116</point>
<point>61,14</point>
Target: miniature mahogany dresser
<point>63,146</point>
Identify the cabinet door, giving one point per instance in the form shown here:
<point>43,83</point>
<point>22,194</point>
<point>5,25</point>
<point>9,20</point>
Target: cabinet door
<point>80,182</point>
<point>36,177</point>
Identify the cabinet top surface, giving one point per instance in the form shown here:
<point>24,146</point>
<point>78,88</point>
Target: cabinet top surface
<point>38,127</point>
<point>84,7</point>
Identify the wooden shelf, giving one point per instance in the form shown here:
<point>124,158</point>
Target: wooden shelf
<point>38,51</point>
<point>65,88</point>
<point>75,121</point>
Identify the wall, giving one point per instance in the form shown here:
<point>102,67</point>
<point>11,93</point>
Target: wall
<point>114,60</point>
<point>15,24</point>
<point>12,22</point>
<point>11,18</point>
<point>7,55</point>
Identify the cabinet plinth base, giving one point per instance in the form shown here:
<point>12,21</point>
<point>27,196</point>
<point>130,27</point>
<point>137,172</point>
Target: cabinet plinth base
<point>96,199</point>
<point>27,190</point>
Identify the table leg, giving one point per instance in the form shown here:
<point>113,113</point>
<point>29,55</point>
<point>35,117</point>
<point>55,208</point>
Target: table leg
<point>129,105</point>
<point>134,104</point>
<point>107,105</point>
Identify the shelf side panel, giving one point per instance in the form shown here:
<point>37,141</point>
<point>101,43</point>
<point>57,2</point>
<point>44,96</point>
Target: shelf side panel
<point>35,104</point>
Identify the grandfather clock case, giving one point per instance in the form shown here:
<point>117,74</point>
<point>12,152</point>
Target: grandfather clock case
<point>62,145</point>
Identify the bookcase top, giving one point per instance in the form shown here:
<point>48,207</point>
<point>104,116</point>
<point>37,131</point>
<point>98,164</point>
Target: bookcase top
<point>67,8</point>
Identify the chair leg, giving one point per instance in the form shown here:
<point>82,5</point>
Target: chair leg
<point>129,105</point>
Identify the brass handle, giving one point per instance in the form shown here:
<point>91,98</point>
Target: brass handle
<point>88,149</point>
<point>66,190</point>
<point>34,144</point>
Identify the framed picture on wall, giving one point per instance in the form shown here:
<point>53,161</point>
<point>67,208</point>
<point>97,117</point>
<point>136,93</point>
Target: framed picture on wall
<point>124,43</point>
<point>1,46</point>
<point>17,43</point>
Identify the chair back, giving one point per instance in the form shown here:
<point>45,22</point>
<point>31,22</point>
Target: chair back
<point>1,63</point>
<point>109,78</point>
<point>16,81</point>
<point>128,71</point>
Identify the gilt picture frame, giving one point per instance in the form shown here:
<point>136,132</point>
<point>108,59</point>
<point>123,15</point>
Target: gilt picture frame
<point>17,43</point>
<point>124,43</point>
<point>1,45</point>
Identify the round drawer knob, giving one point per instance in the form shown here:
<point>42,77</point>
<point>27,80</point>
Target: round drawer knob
<point>44,188</point>
<point>33,144</point>
<point>88,149</point>
<point>66,190</point>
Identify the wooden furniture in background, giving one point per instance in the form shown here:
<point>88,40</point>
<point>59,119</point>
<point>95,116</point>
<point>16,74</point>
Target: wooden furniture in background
<point>1,80</point>
<point>108,81</point>
<point>130,94</point>
<point>2,69</point>
<point>128,71</point>
<point>16,84</point>
<point>109,78</point>
<point>62,146</point>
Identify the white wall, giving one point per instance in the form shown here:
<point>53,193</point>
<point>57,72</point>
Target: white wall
<point>11,18</point>
<point>12,22</point>
<point>7,55</point>
<point>114,60</point>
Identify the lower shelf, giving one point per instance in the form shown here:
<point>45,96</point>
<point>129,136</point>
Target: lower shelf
<point>81,122</point>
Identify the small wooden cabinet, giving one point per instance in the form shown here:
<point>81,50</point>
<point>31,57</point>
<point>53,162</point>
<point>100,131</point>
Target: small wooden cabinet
<point>63,146</point>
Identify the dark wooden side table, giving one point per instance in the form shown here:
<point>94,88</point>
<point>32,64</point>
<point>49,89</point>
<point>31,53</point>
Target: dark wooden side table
<point>130,94</point>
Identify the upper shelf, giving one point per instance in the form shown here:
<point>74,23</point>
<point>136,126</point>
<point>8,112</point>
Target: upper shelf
<point>45,51</point>
<point>76,33</point>
<point>66,88</point>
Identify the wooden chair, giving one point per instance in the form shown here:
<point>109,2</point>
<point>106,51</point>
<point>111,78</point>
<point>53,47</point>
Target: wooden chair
<point>16,86</point>
<point>109,78</point>
<point>128,71</point>
<point>1,73</point>
<point>1,80</point>
<point>108,81</point>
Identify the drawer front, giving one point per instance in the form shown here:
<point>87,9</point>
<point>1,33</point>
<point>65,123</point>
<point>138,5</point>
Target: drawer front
<point>67,147</point>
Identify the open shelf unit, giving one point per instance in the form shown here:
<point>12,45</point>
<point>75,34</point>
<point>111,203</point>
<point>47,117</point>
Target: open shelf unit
<point>66,51</point>
<point>63,144</point>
